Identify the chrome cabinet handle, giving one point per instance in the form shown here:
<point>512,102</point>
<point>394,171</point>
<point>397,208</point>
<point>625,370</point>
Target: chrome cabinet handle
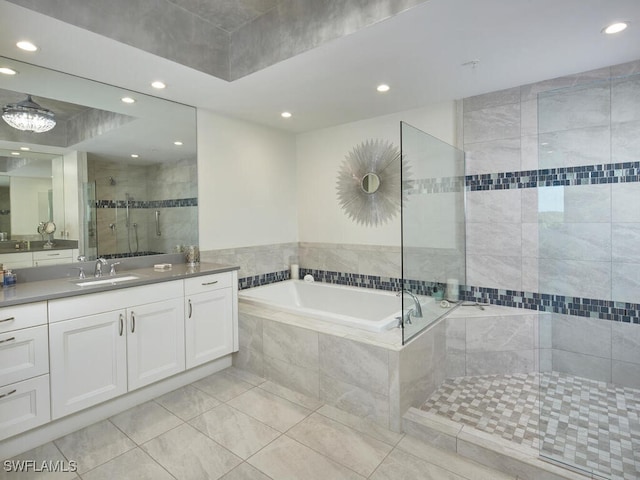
<point>133,322</point>
<point>7,339</point>
<point>53,255</point>
<point>121,324</point>
<point>190,308</point>
<point>8,393</point>
<point>8,319</point>
<point>210,283</point>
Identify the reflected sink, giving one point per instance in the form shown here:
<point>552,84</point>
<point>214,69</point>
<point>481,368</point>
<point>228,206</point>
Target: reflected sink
<point>106,280</point>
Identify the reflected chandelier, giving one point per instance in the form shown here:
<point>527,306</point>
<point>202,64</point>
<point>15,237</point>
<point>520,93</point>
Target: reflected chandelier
<point>28,116</point>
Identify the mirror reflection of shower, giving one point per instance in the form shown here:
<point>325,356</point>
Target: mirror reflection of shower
<point>130,226</point>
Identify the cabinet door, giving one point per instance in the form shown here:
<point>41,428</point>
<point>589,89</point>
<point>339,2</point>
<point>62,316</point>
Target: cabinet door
<point>155,342</point>
<point>208,326</point>
<point>24,405</point>
<point>88,361</point>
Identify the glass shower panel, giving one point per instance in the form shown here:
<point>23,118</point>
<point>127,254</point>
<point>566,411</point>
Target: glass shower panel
<point>88,241</point>
<point>433,231</point>
<point>589,335</point>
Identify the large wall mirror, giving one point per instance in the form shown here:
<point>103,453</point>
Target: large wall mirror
<point>117,179</point>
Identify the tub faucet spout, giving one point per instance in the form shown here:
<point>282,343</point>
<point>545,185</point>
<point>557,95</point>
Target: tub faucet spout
<point>416,311</point>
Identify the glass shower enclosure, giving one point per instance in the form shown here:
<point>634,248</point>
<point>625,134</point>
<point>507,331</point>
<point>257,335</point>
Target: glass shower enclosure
<point>433,228</point>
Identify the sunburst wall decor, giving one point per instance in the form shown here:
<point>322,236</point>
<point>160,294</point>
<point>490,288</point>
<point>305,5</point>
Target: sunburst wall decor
<point>369,183</point>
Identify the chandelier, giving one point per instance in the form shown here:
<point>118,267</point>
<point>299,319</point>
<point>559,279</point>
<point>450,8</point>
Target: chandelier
<point>28,116</point>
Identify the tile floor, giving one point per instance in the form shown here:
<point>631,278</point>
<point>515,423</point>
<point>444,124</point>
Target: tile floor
<point>590,424</point>
<point>234,426</point>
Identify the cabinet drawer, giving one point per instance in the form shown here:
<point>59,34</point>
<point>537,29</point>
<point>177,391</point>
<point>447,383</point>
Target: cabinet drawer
<point>208,283</point>
<point>23,354</point>
<point>52,255</point>
<point>24,405</point>
<point>23,316</point>
<point>92,304</point>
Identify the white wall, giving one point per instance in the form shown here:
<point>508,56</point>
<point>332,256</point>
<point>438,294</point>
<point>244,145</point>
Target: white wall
<point>319,156</point>
<point>246,184</point>
<point>25,215</point>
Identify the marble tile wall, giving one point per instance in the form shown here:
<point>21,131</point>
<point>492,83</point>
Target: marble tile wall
<point>355,375</point>
<point>569,235</point>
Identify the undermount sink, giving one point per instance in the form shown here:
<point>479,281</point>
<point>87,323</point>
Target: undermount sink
<point>106,280</point>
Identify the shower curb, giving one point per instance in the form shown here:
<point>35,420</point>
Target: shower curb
<point>494,452</point>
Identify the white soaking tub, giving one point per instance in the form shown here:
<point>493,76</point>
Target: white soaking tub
<point>363,308</point>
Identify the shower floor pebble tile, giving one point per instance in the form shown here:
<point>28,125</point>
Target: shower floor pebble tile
<point>312,440</point>
<point>583,422</point>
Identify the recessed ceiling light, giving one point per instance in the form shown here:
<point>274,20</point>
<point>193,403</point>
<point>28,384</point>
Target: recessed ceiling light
<point>159,85</point>
<point>286,115</point>
<point>135,155</point>
<point>15,153</point>
<point>178,143</point>
<point>615,28</point>
<point>26,46</point>
<point>7,71</point>
<point>25,149</point>
<point>382,88</point>
<point>128,100</point>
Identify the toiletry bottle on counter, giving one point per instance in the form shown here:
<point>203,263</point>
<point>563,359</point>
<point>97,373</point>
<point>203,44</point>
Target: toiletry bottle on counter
<point>10,279</point>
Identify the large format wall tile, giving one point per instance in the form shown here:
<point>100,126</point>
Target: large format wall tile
<point>575,278</point>
<point>624,202</point>
<point>494,271</point>
<point>587,366</point>
<point>294,345</point>
<point>587,203</point>
<point>575,241</point>
<point>292,376</point>
<point>494,239</point>
<point>493,99</point>
<point>492,123</point>
<point>501,206</point>
<point>574,108</point>
<point>494,156</point>
<point>500,333</point>
<point>625,242</point>
<point>625,141</point>
<point>355,363</point>
<point>625,374</point>
<point>575,147</point>
<point>625,99</point>
<point>625,343</point>
<point>581,335</point>
<point>499,363</point>
<point>531,91</point>
<point>625,282</point>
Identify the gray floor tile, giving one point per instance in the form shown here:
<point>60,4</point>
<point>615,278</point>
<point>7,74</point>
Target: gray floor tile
<point>246,376</point>
<point>190,455</point>
<point>133,465</point>
<point>222,386</point>
<point>240,433</point>
<point>275,411</point>
<point>146,421</point>
<point>187,402</point>
<point>244,471</point>
<point>291,395</point>
<point>94,445</point>
<point>361,424</point>
<point>287,459</point>
<point>350,448</point>
<point>402,466</point>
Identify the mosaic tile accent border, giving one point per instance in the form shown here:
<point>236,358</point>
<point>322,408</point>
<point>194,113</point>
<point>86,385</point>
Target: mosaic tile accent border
<point>176,202</point>
<point>435,185</point>
<point>128,255</point>
<point>264,279</point>
<point>561,176</point>
<point>543,302</point>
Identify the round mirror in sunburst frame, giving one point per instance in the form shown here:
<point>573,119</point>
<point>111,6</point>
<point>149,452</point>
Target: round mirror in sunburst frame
<point>369,183</point>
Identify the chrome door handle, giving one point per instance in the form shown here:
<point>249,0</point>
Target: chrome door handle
<point>190,308</point>
<point>7,319</point>
<point>8,393</point>
<point>7,339</point>
<point>210,283</point>
<point>133,322</point>
<point>121,324</point>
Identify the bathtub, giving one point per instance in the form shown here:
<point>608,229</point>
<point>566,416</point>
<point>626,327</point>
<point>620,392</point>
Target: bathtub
<point>363,308</point>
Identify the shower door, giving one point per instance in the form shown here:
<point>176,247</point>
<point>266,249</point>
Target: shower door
<point>433,230</point>
<point>88,241</point>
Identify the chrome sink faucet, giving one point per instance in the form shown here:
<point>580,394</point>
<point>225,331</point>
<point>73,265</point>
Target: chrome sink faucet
<point>98,270</point>
<point>416,311</point>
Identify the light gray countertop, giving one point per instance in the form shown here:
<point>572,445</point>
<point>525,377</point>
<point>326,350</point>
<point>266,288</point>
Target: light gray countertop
<point>38,291</point>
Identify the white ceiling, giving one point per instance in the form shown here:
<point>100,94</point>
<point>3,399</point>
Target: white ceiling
<point>419,53</point>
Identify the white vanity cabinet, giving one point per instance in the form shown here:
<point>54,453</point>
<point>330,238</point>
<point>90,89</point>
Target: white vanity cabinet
<point>16,260</point>
<point>98,354</point>
<point>209,309</point>
<point>24,368</point>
